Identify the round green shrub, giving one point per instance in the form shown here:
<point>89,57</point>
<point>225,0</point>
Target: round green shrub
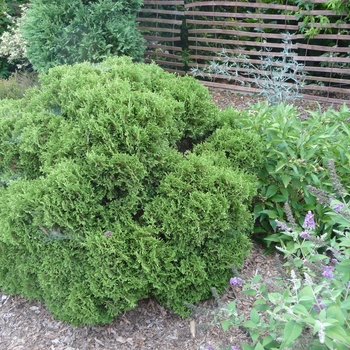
<point>70,31</point>
<point>103,202</point>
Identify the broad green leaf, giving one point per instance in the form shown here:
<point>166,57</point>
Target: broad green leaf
<point>279,198</point>
<point>249,324</point>
<point>286,180</point>
<point>271,190</point>
<point>292,331</point>
<point>254,316</point>
<point>226,325</point>
<point>254,334</point>
<point>247,347</point>
<point>258,209</point>
<point>337,332</point>
<point>258,346</point>
<point>262,307</point>
<point>336,313</point>
<point>267,340</point>
<point>250,292</point>
<point>271,213</point>
<point>345,304</point>
<point>259,301</point>
<point>344,268</point>
<point>231,306</point>
<point>299,308</point>
<point>274,296</point>
<point>256,279</point>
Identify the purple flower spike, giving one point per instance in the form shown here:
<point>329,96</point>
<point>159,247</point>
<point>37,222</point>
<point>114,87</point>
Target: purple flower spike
<point>334,261</point>
<point>319,306</point>
<point>309,222</point>
<point>234,347</point>
<point>327,272</point>
<point>282,226</point>
<point>305,235</point>
<point>338,207</point>
<point>236,281</point>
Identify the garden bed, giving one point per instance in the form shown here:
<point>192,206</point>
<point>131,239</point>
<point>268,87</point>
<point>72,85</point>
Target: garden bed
<point>27,325</point>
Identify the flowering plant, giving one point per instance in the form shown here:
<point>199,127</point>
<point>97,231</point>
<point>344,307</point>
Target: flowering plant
<point>308,306</point>
<point>12,43</point>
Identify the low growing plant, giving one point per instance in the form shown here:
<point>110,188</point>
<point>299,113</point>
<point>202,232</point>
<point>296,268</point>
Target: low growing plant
<point>308,306</point>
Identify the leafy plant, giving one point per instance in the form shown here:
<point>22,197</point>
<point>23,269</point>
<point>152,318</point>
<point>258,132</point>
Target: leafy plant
<point>308,306</point>
<point>296,154</point>
<point>102,200</point>
<point>278,79</point>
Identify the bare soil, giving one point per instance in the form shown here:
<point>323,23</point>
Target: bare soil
<point>28,325</point>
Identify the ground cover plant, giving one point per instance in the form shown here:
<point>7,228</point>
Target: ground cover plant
<point>106,197</point>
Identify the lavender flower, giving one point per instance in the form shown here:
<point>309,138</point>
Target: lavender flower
<point>234,347</point>
<point>319,306</point>
<point>282,226</point>
<point>236,281</point>
<point>327,272</point>
<point>337,207</point>
<point>305,235</point>
<point>309,222</point>
<point>334,261</point>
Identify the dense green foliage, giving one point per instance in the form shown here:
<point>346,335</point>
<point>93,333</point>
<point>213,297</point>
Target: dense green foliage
<point>99,208</point>
<point>66,32</point>
<point>296,152</point>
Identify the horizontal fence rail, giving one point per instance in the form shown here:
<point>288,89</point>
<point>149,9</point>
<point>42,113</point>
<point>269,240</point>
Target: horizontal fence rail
<point>227,43</point>
<point>160,23</point>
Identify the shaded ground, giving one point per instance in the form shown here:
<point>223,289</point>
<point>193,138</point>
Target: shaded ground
<point>27,325</point>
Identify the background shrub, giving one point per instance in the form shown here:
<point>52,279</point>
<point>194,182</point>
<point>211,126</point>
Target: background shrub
<point>99,208</point>
<point>10,16</point>
<point>66,32</point>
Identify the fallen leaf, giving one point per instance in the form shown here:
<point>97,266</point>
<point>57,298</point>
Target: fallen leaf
<point>193,328</point>
<point>121,340</point>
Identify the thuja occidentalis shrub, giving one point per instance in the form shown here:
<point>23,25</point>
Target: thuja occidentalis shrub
<point>114,187</point>
<point>71,31</point>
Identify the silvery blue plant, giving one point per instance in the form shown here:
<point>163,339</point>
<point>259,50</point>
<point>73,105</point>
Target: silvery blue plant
<point>279,78</point>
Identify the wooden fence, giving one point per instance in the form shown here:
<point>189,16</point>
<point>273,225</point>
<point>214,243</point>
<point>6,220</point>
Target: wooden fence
<point>225,41</point>
<point>160,22</point>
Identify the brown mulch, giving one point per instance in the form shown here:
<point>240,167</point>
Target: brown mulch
<point>27,325</point>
